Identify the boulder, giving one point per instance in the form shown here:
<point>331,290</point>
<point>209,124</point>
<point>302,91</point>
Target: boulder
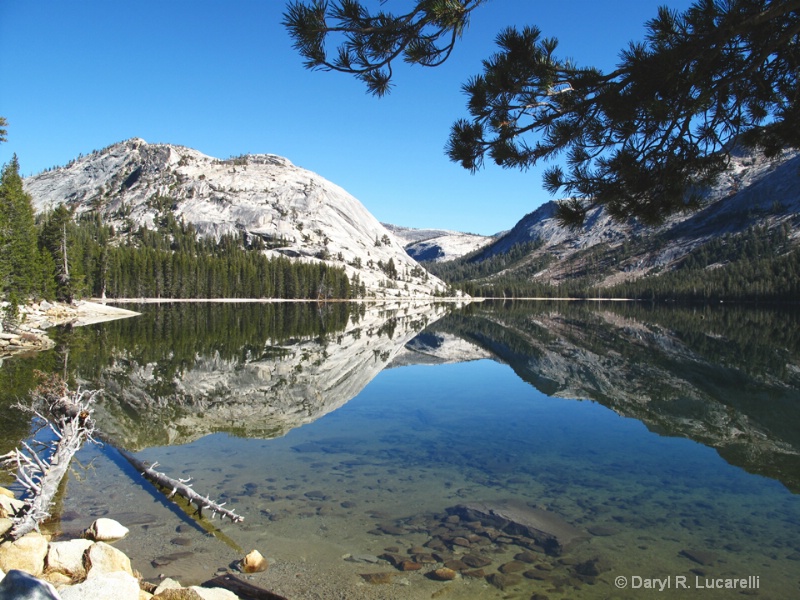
<point>25,554</point>
<point>178,594</point>
<point>58,579</point>
<point>214,593</point>
<point>104,586</point>
<point>167,584</point>
<point>106,530</point>
<point>10,506</point>
<point>18,585</point>
<point>68,557</point>
<point>254,563</point>
<point>102,558</point>
<point>443,574</point>
<point>5,525</point>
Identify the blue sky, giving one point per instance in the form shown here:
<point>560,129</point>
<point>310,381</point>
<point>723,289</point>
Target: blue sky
<point>222,77</point>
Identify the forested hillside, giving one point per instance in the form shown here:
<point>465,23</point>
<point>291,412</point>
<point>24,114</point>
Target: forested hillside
<point>258,202</point>
<point>759,264</point>
<point>743,244</point>
<point>59,256</point>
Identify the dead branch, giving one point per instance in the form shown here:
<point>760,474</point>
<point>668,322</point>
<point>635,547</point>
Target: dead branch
<point>40,473</point>
<point>68,416</point>
<point>181,487</point>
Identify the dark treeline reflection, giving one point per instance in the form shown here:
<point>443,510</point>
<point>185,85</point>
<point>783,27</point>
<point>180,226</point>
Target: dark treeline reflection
<point>726,376</point>
<point>175,335</point>
<point>172,337</point>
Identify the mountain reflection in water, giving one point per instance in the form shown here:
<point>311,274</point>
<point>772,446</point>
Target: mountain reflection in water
<point>728,378</point>
<point>338,429</point>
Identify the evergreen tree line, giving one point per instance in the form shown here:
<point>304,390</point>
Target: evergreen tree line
<point>477,265</point>
<point>760,264</point>
<point>25,270</point>
<point>764,279</point>
<point>62,258</point>
<point>238,273</point>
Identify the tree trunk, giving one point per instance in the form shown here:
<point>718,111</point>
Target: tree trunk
<point>69,419</point>
<point>181,488</point>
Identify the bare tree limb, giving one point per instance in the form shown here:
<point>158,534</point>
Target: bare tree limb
<point>69,417</point>
<point>182,488</point>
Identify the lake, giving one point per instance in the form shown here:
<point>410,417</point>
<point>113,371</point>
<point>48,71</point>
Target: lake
<point>538,449</point>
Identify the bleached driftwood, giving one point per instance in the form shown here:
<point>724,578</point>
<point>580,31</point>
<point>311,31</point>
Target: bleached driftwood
<point>181,487</point>
<point>68,416</point>
<point>40,471</point>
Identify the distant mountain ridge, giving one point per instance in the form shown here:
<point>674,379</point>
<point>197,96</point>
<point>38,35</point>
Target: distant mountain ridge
<point>296,212</point>
<point>437,245</point>
<point>756,192</point>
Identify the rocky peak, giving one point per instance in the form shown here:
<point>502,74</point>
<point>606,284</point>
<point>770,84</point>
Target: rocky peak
<point>301,214</point>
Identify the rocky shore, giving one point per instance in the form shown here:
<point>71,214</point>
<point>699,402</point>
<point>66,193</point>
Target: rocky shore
<point>29,333</point>
<point>34,567</point>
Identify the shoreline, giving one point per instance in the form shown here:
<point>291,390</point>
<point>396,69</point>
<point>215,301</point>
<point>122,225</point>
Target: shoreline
<point>30,333</point>
<point>431,299</point>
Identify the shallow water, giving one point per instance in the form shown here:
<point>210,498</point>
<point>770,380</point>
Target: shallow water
<point>377,472</point>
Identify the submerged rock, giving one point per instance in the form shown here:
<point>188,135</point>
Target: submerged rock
<point>254,563</point>
<point>377,578</point>
<point>702,557</point>
<point>504,581</point>
<point>546,528</point>
<point>603,530</point>
<point>443,574</point>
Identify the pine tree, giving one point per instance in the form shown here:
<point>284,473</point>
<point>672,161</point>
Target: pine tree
<point>640,140</point>
<point>19,258</point>
<point>55,239</point>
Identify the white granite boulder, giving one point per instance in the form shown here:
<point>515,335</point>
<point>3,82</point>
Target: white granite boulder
<point>68,557</point>
<point>102,558</point>
<point>104,586</point>
<point>25,554</point>
<point>106,530</point>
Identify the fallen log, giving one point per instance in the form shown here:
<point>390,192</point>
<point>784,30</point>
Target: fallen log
<point>181,487</point>
<point>244,590</point>
<point>68,416</point>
